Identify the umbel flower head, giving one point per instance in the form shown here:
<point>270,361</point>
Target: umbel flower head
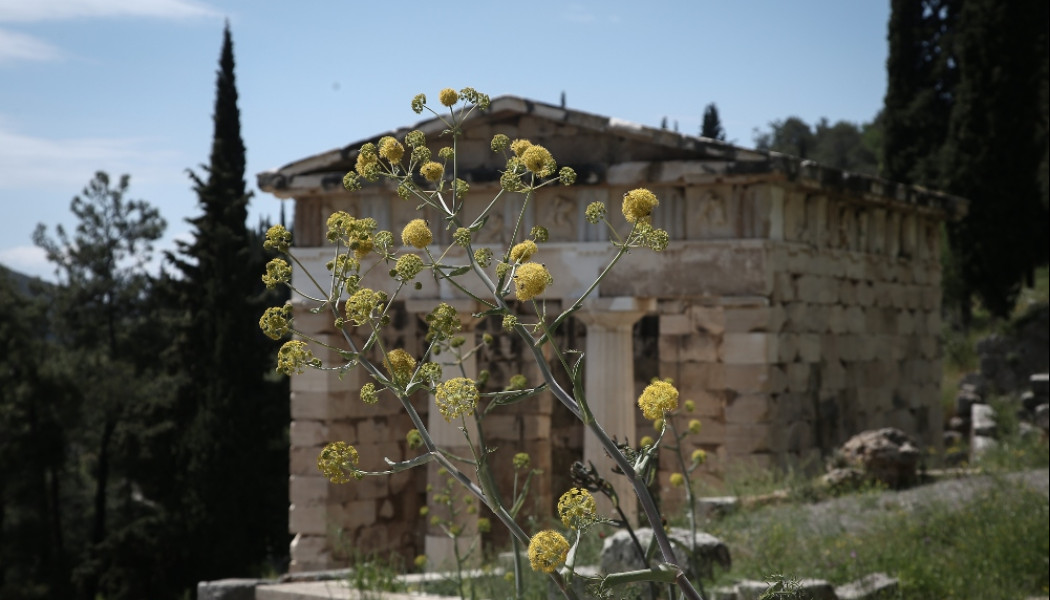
<point>577,508</point>
<point>456,397</point>
<point>656,399</point>
<point>530,280</point>
<point>400,365</point>
<point>547,551</point>
<point>448,96</point>
<point>523,251</point>
<point>338,462</point>
<point>432,171</point>
<point>408,266</point>
<point>278,239</point>
<point>638,205</point>
<point>294,356</point>
<point>274,321</point>
<point>417,234</point>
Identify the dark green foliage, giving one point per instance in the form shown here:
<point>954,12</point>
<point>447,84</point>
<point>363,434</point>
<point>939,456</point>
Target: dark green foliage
<point>232,455</point>
<point>712,125</point>
<point>966,112</point>
<point>843,145</point>
<point>921,80</point>
<point>994,148</point>
<point>37,535</point>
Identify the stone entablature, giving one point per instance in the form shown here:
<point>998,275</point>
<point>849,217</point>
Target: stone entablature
<point>797,305</point>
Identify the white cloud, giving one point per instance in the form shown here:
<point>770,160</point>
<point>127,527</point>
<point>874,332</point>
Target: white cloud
<point>23,47</point>
<point>28,260</point>
<point>19,46</point>
<point>27,161</point>
<point>51,10</point>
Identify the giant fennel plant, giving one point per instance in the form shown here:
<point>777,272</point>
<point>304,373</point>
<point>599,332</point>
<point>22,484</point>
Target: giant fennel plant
<point>515,275</point>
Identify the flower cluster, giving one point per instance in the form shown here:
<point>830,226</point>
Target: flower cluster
<point>547,551</point>
<point>277,271</point>
<point>275,321</point>
<point>530,280</point>
<point>363,305</point>
<point>638,205</point>
<point>338,462</point>
<point>456,397</point>
<point>656,399</point>
<point>400,365</point>
<point>294,356</point>
<point>417,234</point>
<point>278,239</point>
<point>577,508</point>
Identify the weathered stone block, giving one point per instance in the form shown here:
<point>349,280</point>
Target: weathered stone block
<point>748,379</point>
<point>309,520</point>
<point>748,348</point>
<point>809,349</point>
<point>748,319</point>
<point>750,408</point>
<point>303,433</point>
<point>678,324</point>
<point>708,318</point>
<point>306,490</point>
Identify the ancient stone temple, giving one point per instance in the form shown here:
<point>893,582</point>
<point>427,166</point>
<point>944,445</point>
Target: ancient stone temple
<point>796,305</point>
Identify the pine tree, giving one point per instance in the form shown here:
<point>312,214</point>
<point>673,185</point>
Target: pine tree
<point>712,125</point>
<point>234,451</point>
<point>995,146</point>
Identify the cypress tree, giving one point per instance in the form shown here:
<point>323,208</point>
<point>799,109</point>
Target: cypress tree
<point>921,79</point>
<point>233,452</point>
<point>712,125</point>
<point>995,147</point>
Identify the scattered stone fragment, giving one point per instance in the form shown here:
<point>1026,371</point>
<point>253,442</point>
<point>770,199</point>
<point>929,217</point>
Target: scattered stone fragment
<point>887,455</point>
<point>228,589</point>
<point>871,587</point>
<point>619,553</point>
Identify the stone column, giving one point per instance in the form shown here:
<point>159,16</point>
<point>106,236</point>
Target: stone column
<point>609,386</point>
<point>440,550</point>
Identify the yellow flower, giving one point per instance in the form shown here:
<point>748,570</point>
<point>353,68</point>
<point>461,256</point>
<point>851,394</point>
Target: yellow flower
<point>274,322</point>
<point>420,561</point>
<point>699,456</point>
<point>539,160</point>
<point>521,460</point>
<point>368,393</point>
<point>519,146</point>
<point>294,356</point>
<point>414,439</point>
<point>677,479</point>
<point>338,462</point>
<point>417,234</point>
<point>577,508</point>
<point>456,397</point>
<point>484,525</point>
<point>547,550</point>
<point>530,280</point>
<point>277,271</point>
<point>432,171</point>
<point>408,266</point>
<point>391,149</point>
<point>638,205</point>
<point>694,426</point>
<point>399,364</point>
<point>523,251</point>
<point>278,239</point>
<point>657,398</point>
<point>448,96</point>
<point>690,406</point>
<point>647,441</point>
<point>363,304</point>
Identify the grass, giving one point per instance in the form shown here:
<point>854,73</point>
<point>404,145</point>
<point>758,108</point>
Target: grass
<point>992,546</point>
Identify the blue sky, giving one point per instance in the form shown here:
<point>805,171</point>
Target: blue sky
<point>127,86</point>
